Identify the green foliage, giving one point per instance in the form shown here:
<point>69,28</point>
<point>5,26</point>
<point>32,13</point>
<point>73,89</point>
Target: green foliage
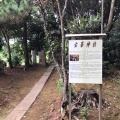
<point>84,24</point>
<point>36,34</point>
<point>51,20</point>
<point>59,84</point>
<point>52,106</point>
<point>84,113</point>
<point>17,54</point>
<point>10,10</point>
<point>111,49</point>
<point>3,54</point>
<point>73,86</point>
<point>1,43</point>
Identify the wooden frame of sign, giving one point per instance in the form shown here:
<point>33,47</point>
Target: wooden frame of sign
<point>100,35</point>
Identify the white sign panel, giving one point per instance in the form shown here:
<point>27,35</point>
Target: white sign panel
<point>85,61</point>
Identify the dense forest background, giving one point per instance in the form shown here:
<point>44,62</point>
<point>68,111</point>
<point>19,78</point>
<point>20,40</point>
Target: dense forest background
<point>32,25</point>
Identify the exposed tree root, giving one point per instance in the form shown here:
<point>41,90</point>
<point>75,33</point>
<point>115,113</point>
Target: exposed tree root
<point>86,98</point>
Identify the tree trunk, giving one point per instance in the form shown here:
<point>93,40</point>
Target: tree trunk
<point>26,54</point>
<point>110,15</point>
<point>65,83</point>
<point>4,32</point>
<point>65,80</point>
<point>42,10</point>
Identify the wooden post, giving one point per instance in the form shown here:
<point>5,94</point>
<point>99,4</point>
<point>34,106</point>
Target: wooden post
<point>100,94</point>
<point>100,101</point>
<point>69,101</point>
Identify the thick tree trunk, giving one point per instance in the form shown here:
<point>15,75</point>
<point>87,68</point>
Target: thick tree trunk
<point>110,15</point>
<point>4,32</point>
<point>26,53</point>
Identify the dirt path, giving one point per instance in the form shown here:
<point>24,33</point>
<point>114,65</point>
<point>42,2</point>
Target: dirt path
<point>15,84</point>
<point>18,112</point>
<point>47,104</point>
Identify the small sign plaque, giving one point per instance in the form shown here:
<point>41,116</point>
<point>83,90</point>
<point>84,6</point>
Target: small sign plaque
<point>85,61</point>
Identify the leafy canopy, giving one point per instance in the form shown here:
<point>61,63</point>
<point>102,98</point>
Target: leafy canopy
<point>14,10</point>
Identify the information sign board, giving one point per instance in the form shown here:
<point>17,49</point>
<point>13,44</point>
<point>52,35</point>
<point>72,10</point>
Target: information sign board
<point>85,61</point>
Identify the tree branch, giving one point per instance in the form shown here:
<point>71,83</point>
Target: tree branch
<point>59,8</point>
<point>43,15</point>
<point>65,6</point>
<point>110,15</point>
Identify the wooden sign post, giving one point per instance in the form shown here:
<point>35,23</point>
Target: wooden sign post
<point>85,63</point>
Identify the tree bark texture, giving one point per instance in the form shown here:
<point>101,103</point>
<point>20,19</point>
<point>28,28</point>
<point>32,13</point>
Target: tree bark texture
<point>65,80</point>
<point>26,54</point>
<point>42,10</point>
<point>5,34</point>
<point>110,15</point>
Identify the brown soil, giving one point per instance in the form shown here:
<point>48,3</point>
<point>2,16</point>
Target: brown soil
<point>111,94</point>
<point>47,104</point>
<point>15,84</point>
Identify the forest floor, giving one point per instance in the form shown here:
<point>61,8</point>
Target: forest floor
<point>16,83</point>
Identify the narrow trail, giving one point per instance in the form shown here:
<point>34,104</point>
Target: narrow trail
<point>19,111</point>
